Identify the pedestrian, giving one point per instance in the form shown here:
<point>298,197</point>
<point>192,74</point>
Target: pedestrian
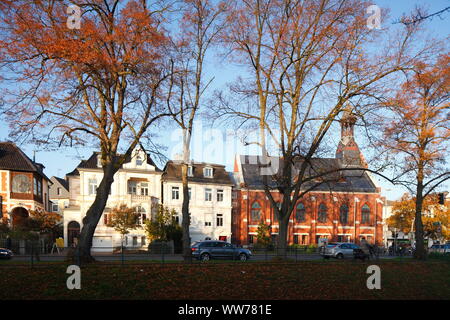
<point>365,247</point>
<point>8,242</point>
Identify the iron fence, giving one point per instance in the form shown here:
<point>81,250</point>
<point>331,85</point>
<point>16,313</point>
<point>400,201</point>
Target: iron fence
<point>33,253</point>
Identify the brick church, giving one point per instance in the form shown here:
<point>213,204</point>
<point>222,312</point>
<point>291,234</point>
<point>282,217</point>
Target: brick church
<point>344,209</point>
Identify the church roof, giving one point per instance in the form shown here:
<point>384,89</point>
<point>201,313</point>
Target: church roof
<point>329,175</point>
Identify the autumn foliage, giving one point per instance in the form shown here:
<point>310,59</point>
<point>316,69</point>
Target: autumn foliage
<point>435,216</point>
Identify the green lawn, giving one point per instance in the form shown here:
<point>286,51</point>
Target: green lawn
<point>281,281</point>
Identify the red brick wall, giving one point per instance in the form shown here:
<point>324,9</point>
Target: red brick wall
<point>243,225</point>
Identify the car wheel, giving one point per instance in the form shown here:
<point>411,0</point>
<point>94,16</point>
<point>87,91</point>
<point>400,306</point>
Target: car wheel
<point>243,257</point>
<point>205,257</point>
<point>340,256</point>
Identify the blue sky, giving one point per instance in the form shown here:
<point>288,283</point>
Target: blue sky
<point>216,145</point>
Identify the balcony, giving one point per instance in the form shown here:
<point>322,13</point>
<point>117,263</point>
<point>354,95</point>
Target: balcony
<point>139,198</point>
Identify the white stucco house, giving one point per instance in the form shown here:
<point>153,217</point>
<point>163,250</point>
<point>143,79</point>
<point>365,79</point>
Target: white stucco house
<point>137,184</point>
<point>210,203</point>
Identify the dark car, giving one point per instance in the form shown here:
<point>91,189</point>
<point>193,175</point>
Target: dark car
<point>211,249</point>
<point>5,253</point>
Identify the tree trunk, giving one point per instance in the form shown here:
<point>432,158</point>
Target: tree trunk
<point>283,225</point>
<point>93,215</point>
<point>420,253</point>
<point>187,254</point>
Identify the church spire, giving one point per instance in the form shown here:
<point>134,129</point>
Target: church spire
<point>348,151</point>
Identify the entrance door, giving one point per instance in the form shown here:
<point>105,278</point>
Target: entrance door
<point>19,215</point>
<point>73,231</point>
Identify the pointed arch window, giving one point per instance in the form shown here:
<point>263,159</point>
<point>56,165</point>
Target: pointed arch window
<point>365,214</point>
<point>300,213</point>
<point>343,214</point>
<point>323,213</point>
<point>256,211</point>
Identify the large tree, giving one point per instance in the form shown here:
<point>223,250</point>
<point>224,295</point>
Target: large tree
<point>198,29</point>
<point>307,62</point>
<point>92,79</point>
<point>418,134</point>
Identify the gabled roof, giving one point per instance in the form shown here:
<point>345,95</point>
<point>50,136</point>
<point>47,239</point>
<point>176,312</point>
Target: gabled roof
<point>172,172</point>
<point>91,163</point>
<point>61,182</point>
<point>13,158</point>
<point>331,174</point>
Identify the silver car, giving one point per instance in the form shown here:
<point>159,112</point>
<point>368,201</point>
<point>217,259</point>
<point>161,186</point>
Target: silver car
<point>339,250</point>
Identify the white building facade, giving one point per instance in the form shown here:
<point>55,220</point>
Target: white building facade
<point>137,184</point>
<point>210,203</point>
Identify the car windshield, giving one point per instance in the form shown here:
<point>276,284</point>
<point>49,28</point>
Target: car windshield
<point>331,245</point>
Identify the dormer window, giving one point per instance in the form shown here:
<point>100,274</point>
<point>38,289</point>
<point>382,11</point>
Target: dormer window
<point>208,172</point>
<point>139,161</point>
<point>190,171</point>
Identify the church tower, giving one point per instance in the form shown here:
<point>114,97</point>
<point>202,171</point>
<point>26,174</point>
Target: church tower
<point>348,151</point>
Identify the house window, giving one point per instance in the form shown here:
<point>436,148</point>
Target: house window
<point>35,187</point>
<point>365,214</point>
<point>208,172</point>
<point>139,160</point>
<point>132,187</point>
<point>58,191</point>
<point>144,188</point>
<point>219,195</point>
<point>251,239</point>
<point>256,212</point>
<point>208,195</point>
<point>343,214</point>
<point>190,171</point>
<point>295,239</point>
<point>175,193</point>
<point>40,188</point>
<point>219,220</point>
<point>304,239</point>
<point>322,216</point>
<point>207,223</point>
<point>66,204</point>
<point>300,213</point>
<point>55,207</point>
<point>92,186</point>
<point>21,184</point>
<point>143,241</point>
<point>135,241</point>
<point>142,214</point>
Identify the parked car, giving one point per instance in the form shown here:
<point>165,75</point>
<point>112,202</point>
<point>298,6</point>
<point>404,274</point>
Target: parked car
<point>440,248</point>
<point>211,249</point>
<point>5,253</point>
<point>339,250</point>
